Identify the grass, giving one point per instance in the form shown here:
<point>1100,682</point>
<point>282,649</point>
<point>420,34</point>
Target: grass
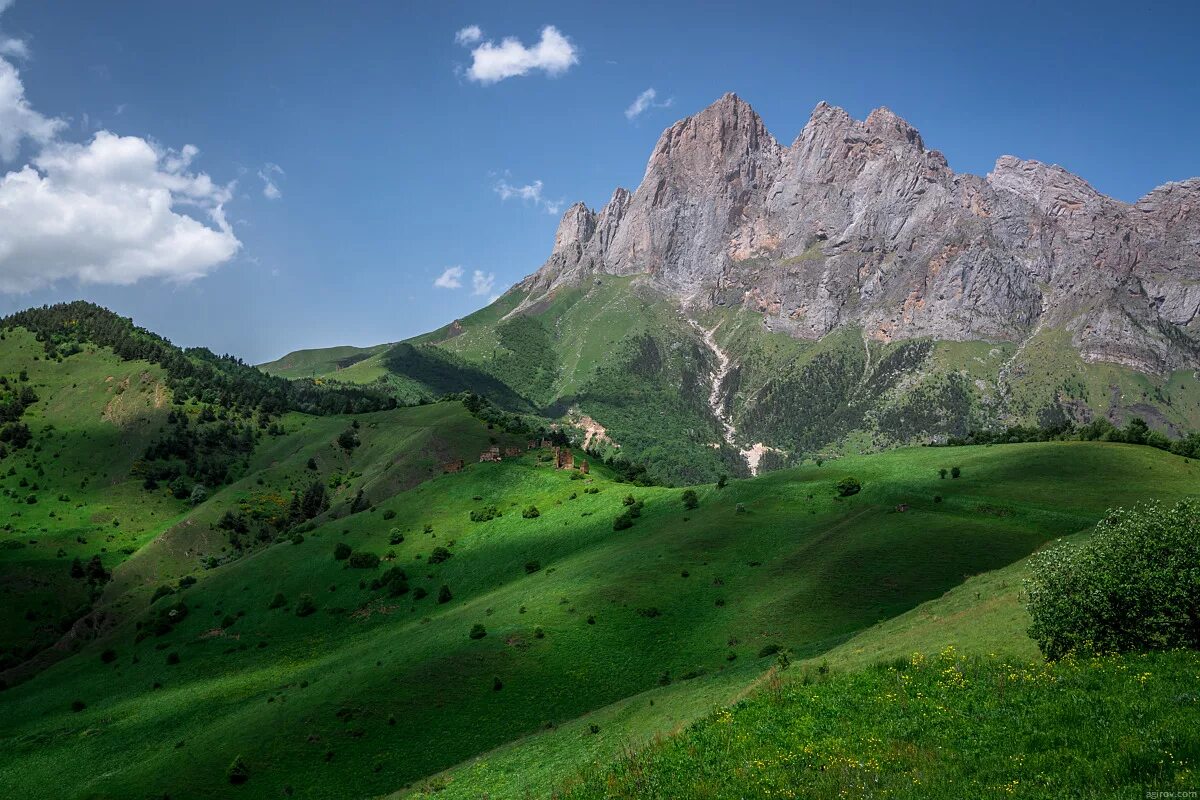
<point>942,726</point>
<point>389,694</point>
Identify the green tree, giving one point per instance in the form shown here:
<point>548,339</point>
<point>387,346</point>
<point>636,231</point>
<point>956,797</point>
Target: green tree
<point>690,500</point>
<point>848,486</point>
<point>1133,586</point>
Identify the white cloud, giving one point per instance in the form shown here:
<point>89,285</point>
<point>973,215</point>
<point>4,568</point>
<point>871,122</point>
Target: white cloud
<point>529,193</point>
<point>644,101</point>
<point>481,283</point>
<point>267,174</point>
<point>469,35</point>
<point>554,54</point>
<point>10,46</point>
<point>110,210</point>
<point>451,278</point>
<point>105,212</point>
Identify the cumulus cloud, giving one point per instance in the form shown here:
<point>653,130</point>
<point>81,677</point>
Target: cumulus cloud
<point>115,209</point>
<point>469,35</point>
<point>529,193</point>
<point>451,278</point>
<point>644,101</point>
<point>267,175</point>
<point>492,62</point>
<point>104,212</point>
<point>482,283</point>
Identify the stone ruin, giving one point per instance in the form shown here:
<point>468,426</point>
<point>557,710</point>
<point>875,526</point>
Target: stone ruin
<point>491,454</point>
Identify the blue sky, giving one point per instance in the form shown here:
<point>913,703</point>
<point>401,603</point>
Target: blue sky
<point>390,146</point>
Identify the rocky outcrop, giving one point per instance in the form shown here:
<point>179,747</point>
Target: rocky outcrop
<point>858,223</point>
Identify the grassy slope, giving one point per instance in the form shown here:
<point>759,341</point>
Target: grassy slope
<point>982,616</point>
<point>799,568</point>
<point>319,361</point>
<point>95,416</point>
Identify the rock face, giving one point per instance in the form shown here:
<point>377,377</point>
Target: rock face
<point>857,223</point>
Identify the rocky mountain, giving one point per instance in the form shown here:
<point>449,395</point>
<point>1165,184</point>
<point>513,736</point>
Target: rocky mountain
<point>857,223</point>
<point>752,305</point>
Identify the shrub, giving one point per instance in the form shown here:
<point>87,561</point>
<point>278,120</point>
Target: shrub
<point>78,705</point>
<point>722,481</point>
<point>942,473</point>
<point>278,601</point>
<point>629,500</point>
<point>238,773</point>
<point>305,605</point>
<point>348,440</point>
<point>594,728</point>
<point>108,656</point>
<point>532,567</point>
<point>768,650</point>
<point>161,591</point>
<point>172,659</point>
<point>420,593</point>
<point>389,514</point>
<point>622,522</point>
<point>538,633</point>
<point>480,515</point>
<point>1133,586</point>
<point>395,537</point>
<point>439,555</point>
<point>848,486</point>
<point>478,631</point>
<point>341,551</point>
<point>444,595</point>
<point>955,472</point>
<point>363,560</point>
<point>689,498</point>
<point>531,513</point>
<point>497,684</point>
<point>740,508</point>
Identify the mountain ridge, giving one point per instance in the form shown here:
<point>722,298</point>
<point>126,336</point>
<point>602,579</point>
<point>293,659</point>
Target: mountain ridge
<point>891,238</point>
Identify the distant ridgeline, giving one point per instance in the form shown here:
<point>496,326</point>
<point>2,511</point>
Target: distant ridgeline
<point>194,373</point>
<point>1136,431</point>
<point>236,402</point>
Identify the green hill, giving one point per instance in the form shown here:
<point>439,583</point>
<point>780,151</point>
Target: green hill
<point>615,353</point>
<point>289,615</point>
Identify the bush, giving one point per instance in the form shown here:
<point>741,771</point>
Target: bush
<point>395,537</point>
<point>341,551</point>
<point>722,481</point>
<point>622,522</point>
<point>389,514</point>
<point>942,473</point>
<point>278,601</point>
<point>78,705</point>
<point>298,538</point>
<point>172,659</point>
<point>1133,586</point>
<point>238,773</point>
<point>481,515</point>
<point>108,656</point>
<point>532,567</point>
<point>362,560</point>
<point>444,595</point>
<point>478,631</point>
<point>531,513</point>
<point>740,508</point>
<point>538,633</point>
<point>689,499</point>
<point>955,472</point>
<point>439,555</point>
<point>768,650</point>
<point>161,591</point>
<point>848,486</point>
<point>629,500</point>
<point>305,605</point>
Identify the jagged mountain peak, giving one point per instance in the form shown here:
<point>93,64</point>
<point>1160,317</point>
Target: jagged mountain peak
<point>857,223</point>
